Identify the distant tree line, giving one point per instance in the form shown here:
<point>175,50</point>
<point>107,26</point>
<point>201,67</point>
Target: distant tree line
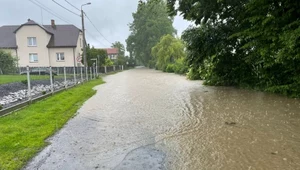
<point>102,57</point>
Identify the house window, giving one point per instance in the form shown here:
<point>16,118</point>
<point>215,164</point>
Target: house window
<point>33,57</point>
<point>31,41</point>
<point>60,57</point>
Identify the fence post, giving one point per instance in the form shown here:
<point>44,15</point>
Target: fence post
<point>28,84</point>
<point>81,76</point>
<point>86,73</point>
<point>95,72</point>
<point>114,68</point>
<point>51,80</point>
<point>91,73</point>
<point>65,76</point>
<point>122,67</point>
<point>105,69</point>
<point>74,75</point>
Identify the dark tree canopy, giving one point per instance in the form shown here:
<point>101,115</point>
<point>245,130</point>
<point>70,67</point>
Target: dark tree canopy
<point>151,22</point>
<point>252,43</point>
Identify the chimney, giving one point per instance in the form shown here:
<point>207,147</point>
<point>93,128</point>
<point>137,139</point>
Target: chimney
<point>28,19</point>
<point>53,23</point>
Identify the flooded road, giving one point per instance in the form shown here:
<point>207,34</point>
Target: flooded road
<point>146,119</point>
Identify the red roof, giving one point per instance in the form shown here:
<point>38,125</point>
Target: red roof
<point>112,51</point>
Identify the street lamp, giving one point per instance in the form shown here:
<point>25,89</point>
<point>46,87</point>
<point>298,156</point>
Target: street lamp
<point>85,4</point>
<point>83,41</point>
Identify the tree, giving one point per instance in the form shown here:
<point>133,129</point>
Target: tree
<point>7,63</point>
<point>108,62</point>
<point>99,54</point>
<point>150,23</point>
<point>167,51</point>
<point>130,45</point>
<point>120,47</point>
<point>274,48</point>
<point>130,61</point>
<point>245,43</point>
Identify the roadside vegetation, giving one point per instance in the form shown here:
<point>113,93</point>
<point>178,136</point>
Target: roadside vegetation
<point>23,133</point>
<point>169,55</point>
<point>249,44</point>
<point>5,79</point>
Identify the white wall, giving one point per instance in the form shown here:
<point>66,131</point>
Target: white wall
<point>41,49</point>
<point>68,53</point>
<point>46,56</point>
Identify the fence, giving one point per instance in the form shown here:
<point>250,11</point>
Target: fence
<point>28,83</point>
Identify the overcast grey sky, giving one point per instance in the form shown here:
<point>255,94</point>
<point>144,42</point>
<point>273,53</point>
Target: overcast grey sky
<point>111,17</point>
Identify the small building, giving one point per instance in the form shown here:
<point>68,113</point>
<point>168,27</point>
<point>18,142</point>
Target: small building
<point>112,53</point>
<point>38,45</point>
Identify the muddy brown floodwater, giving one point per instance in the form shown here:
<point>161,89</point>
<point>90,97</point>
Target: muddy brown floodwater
<point>146,119</point>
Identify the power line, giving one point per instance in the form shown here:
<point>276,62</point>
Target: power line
<point>97,29</point>
<point>39,4</point>
<point>72,5</point>
<point>48,10</point>
<point>65,8</point>
<point>94,38</point>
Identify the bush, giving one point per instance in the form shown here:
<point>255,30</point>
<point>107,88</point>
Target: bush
<point>108,62</point>
<point>193,74</point>
<point>7,63</point>
<point>24,82</point>
<point>1,107</point>
<point>170,68</point>
<point>291,90</point>
<point>152,64</point>
<point>180,67</point>
<point>44,92</point>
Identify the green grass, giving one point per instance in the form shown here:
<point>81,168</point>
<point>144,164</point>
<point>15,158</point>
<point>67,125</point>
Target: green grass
<point>4,79</point>
<point>23,133</point>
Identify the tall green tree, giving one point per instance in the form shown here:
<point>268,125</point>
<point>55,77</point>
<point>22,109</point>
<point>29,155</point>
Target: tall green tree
<point>8,63</point>
<point>252,43</point>
<point>120,47</point>
<point>150,23</point>
<point>94,53</point>
<point>274,46</point>
<point>121,57</point>
<point>167,51</point>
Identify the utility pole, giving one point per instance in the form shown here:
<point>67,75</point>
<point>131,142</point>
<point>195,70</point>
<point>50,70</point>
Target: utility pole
<point>84,42</point>
<point>84,45</point>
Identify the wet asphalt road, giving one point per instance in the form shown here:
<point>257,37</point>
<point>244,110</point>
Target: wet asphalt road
<point>113,130</point>
<point>144,119</point>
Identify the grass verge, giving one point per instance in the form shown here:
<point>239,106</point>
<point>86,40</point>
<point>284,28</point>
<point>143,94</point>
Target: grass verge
<point>5,79</point>
<point>23,133</point>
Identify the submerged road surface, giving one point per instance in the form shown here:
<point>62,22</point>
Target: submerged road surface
<point>145,119</point>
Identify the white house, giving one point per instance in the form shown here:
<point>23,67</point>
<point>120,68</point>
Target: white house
<point>43,45</point>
